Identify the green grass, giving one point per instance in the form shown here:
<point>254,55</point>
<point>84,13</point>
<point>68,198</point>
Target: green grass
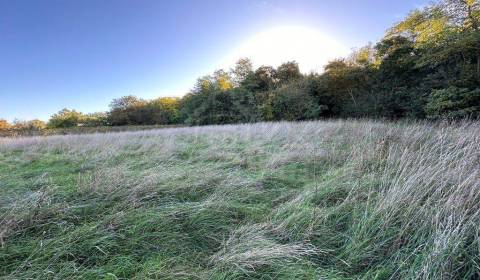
<point>313,200</point>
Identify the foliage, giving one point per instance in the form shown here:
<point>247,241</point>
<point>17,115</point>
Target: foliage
<point>293,103</point>
<point>426,66</point>
<point>29,125</point>
<point>95,119</point>
<point>127,110</point>
<point>454,102</point>
<point>288,72</point>
<point>66,118</point>
<point>71,118</point>
<point>242,70</point>
<point>130,110</point>
<point>4,124</point>
<point>20,127</point>
<point>210,106</point>
<point>164,110</point>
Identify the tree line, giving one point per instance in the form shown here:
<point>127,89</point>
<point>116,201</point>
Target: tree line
<point>426,66</point>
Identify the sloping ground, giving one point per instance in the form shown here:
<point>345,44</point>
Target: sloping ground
<point>313,200</point>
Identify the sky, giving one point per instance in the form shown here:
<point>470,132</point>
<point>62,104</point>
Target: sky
<point>80,54</point>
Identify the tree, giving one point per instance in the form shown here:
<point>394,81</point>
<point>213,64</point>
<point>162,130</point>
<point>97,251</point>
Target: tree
<point>428,63</point>
<point>247,105</point>
<point>293,103</point>
<point>465,15</point>
<point>35,125</point>
<point>95,119</point>
<point>364,57</point>
<point>242,70</point>
<point>204,84</point>
<point>337,87</point>
<point>462,13</point>
<point>454,102</point>
<point>127,110</point>
<point>264,79</point>
<point>65,118</point>
<point>427,28</point>
<point>288,72</point>
<point>4,124</point>
<point>164,110</point>
<point>210,107</point>
<point>398,78</point>
<point>222,79</point>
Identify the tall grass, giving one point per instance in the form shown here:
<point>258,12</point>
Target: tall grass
<point>349,199</point>
<point>25,131</point>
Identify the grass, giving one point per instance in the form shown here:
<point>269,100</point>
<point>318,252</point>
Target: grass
<point>17,132</point>
<point>314,200</point>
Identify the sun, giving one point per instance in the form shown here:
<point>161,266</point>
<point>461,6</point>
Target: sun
<point>308,46</point>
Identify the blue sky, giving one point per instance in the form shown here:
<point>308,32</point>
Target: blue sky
<point>81,54</point>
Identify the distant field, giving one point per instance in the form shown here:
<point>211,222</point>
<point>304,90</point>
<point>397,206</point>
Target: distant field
<point>311,200</point>
<point>78,130</point>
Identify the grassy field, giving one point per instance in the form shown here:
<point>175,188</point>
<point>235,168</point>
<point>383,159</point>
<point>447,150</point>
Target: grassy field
<point>312,200</point>
<point>22,132</point>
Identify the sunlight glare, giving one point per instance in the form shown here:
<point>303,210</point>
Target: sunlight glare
<point>309,47</point>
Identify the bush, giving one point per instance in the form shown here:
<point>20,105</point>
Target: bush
<point>4,124</point>
<point>29,125</point>
<point>65,118</point>
<point>209,107</point>
<point>130,110</point>
<point>454,103</point>
<point>294,103</point>
<point>95,119</point>
<point>164,110</point>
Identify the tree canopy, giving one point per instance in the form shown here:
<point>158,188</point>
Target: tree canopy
<point>426,66</point>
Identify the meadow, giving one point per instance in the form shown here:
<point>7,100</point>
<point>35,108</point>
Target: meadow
<point>43,131</point>
<point>340,199</point>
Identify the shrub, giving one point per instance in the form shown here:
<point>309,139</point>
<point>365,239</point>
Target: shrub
<point>164,110</point>
<point>454,102</point>
<point>65,118</point>
<point>4,124</point>
<point>294,103</point>
<point>95,119</point>
<point>29,125</point>
<point>127,110</point>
